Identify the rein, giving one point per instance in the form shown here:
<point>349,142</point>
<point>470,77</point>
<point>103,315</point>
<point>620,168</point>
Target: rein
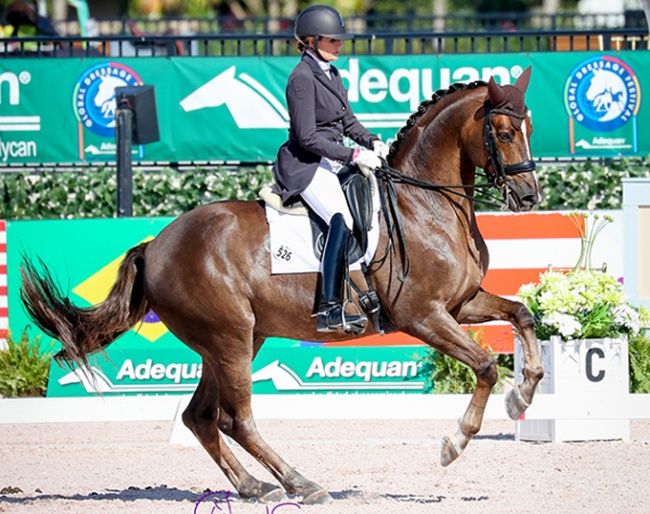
<point>388,196</point>
<point>392,175</point>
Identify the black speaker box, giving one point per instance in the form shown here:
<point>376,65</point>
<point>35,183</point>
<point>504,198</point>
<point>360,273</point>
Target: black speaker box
<point>142,101</point>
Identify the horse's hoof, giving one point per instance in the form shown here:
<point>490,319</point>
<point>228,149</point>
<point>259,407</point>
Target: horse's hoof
<point>274,496</point>
<point>321,497</point>
<point>515,403</point>
<point>449,452</point>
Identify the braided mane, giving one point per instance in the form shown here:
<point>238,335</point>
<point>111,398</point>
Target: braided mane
<point>424,107</point>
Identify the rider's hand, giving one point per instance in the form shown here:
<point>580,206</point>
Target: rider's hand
<point>380,148</point>
<point>368,161</point>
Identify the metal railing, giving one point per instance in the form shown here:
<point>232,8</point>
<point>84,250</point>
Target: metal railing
<point>393,43</point>
<point>365,23</point>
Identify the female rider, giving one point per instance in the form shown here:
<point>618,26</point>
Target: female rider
<point>308,163</point>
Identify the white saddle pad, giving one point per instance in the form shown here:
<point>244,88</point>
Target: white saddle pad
<point>291,241</point>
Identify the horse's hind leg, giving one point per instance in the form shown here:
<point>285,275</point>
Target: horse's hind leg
<point>487,307</point>
<point>202,417</point>
<point>236,421</point>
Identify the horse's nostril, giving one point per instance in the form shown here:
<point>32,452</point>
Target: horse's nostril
<point>528,202</point>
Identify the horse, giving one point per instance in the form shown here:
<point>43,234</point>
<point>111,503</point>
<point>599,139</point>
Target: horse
<point>207,276</point>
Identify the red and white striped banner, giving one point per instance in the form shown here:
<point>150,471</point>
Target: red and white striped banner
<point>4,310</point>
<point>521,247</point>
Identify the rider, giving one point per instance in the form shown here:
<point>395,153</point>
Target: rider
<point>308,163</point>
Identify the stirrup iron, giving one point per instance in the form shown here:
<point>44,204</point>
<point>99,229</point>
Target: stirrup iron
<point>334,317</point>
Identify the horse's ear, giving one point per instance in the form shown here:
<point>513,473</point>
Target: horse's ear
<point>523,80</point>
<point>496,95</point>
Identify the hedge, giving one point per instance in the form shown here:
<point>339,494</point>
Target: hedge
<point>170,192</point>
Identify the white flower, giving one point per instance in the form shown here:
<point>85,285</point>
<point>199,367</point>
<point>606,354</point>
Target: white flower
<point>581,304</point>
<point>566,324</point>
<point>626,316</point>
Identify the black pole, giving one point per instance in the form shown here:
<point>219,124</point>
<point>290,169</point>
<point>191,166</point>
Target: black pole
<point>124,136</point>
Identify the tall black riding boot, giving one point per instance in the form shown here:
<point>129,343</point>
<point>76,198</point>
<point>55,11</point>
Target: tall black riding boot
<point>331,315</point>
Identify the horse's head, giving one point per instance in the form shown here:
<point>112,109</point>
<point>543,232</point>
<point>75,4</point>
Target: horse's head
<point>507,131</point>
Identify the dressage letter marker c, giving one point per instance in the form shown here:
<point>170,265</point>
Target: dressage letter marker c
<point>590,365</point>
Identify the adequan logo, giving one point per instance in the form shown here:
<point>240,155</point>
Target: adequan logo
<point>364,375</point>
<point>253,106</point>
<point>11,95</point>
<point>179,378</point>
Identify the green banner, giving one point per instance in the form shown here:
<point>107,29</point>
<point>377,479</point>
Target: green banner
<point>84,256</point>
<point>283,366</point>
<point>233,108</point>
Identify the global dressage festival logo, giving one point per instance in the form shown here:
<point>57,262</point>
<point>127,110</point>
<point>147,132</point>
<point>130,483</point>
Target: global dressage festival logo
<point>602,94</point>
<point>93,103</point>
<point>94,95</point>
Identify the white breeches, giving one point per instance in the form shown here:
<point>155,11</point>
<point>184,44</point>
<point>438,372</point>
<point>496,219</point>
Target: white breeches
<point>324,194</point>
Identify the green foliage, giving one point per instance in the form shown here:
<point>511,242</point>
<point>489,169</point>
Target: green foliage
<point>589,185</point>
<point>397,7</point>
<point>639,350</point>
<point>24,367</point>
<point>93,194</point>
<point>585,185</point>
<point>449,376</point>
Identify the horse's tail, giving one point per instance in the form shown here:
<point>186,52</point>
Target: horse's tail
<point>83,331</point>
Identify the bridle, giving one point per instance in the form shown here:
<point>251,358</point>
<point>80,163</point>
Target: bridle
<point>499,170</point>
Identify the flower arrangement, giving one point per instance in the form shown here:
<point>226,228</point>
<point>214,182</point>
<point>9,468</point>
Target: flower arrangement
<point>582,303</point>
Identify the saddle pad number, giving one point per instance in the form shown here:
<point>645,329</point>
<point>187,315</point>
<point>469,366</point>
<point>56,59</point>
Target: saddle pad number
<point>283,253</point>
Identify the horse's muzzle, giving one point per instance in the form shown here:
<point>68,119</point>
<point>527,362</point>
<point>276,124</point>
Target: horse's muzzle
<point>521,196</point>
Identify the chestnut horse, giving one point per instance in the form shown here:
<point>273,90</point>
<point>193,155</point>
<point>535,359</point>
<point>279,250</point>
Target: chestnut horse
<point>207,276</point>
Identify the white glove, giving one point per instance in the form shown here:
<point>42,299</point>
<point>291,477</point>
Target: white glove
<point>368,161</point>
<point>381,149</point>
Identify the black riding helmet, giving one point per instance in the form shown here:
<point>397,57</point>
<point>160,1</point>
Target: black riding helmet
<point>320,21</point>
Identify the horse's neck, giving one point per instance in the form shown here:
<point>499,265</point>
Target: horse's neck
<point>434,152</point>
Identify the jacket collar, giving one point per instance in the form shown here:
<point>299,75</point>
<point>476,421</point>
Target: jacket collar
<point>313,64</point>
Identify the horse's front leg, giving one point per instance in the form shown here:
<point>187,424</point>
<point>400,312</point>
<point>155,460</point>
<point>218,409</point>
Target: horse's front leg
<point>443,333</point>
<point>489,307</point>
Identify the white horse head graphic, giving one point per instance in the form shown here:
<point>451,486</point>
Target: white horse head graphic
<point>607,94</point>
<point>105,97</point>
<point>249,102</point>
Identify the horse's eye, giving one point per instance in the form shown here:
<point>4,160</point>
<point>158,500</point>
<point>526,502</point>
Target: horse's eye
<point>505,137</point>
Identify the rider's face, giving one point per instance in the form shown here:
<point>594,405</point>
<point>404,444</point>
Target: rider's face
<point>329,48</point>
